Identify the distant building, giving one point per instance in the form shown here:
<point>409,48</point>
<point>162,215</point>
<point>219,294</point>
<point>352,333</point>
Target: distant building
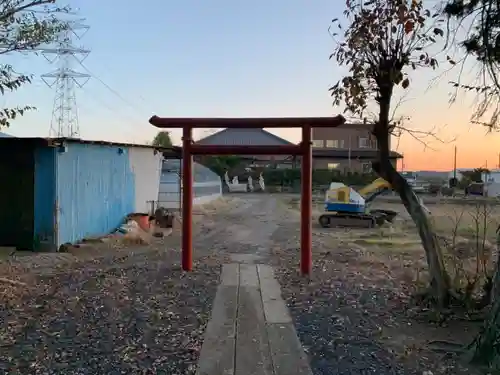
<point>350,147</point>
<point>5,135</point>
<point>57,191</point>
<point>438,176</point>
<point>346,148</point>
<point>250,137</point>
<point>492,176</point>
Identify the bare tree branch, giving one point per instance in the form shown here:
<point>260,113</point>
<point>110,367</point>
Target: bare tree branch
<point>481,41</point>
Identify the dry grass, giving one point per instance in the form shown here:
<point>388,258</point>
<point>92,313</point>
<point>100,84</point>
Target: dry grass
<point>392,258</point>
<point>473,216</point>
<point>15,265</point>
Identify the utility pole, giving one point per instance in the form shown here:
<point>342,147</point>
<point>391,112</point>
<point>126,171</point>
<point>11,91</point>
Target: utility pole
<point>64,121</point>
<point>455,164</point>
<point>349,152</point>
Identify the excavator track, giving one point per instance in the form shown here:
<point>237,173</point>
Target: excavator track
<point>349,220</point>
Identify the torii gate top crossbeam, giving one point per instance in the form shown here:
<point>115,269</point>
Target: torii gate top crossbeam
<point>248,122</point>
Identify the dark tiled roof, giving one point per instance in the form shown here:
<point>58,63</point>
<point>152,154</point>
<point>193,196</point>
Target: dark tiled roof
<point>354,154</point>
<point>243,137</point>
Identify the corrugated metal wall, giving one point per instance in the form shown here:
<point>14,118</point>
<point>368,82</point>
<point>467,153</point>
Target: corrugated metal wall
<point>45,198</point>
<point>146,166</point>
<point>95,190</point>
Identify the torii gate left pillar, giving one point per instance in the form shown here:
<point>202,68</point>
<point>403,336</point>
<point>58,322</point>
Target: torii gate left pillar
<point>304,149</point>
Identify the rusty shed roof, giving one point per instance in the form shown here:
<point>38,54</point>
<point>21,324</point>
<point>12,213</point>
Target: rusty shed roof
<point>54,142</point>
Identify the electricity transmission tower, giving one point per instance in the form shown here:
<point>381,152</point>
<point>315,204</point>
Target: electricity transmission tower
<point>64,79</point>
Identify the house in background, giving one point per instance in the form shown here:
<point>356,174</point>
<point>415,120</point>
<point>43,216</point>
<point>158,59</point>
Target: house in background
<point>350,147</point>
<point>58,191</point>
<point>250,137</point>
<point>346,148</point>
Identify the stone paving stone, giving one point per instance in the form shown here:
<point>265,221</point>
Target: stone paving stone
<point>217,354</point>
<point>253,356</point>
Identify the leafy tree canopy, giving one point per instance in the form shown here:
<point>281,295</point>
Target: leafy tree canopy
<point>483,38</point>
<point>25,25</point>
<point>162,139</point>
<point>384,40</point>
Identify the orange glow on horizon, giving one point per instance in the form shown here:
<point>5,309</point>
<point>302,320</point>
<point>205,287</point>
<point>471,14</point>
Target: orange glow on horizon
<point>475,149</point>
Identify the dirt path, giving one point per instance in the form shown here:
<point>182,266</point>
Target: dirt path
<point>245,233</point>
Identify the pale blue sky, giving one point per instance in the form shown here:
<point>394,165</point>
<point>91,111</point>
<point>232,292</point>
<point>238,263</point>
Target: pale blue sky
<point>207,58</point>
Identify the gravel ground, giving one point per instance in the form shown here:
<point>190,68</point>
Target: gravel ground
<point>337,319</point>
<point>143,314</point>
<point>134,312</point>
<point>350,315</point>
<point>139,314</point>
<point>122,320</point>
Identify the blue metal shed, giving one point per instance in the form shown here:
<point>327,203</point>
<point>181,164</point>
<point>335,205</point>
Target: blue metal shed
<point>71,189</point>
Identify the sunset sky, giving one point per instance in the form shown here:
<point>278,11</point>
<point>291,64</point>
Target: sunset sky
<point>228,58</point>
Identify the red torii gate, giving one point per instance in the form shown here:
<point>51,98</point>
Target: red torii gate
<point>303,149</point>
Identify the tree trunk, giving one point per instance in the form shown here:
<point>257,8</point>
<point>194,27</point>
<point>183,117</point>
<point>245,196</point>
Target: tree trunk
<point>439,278</point>
<point>485,349</point>
<point>495,284</point>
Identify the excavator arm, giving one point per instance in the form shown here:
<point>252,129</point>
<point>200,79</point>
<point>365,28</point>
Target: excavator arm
<point>373,190</point>
<point>380,186</point>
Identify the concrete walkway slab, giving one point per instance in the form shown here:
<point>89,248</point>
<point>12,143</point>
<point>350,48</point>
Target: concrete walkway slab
<point>249,276</point>
<point>253,355</point>
<point>230,275</point>
<point>287,353</point>
<point>217,352</point>
<point>251,331</point>
<point>275,309</point>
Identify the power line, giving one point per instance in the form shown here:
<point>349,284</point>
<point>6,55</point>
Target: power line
<point>128,120</point>
<point>104,66</point>
<point>64,122</point>
<point>113,91</point>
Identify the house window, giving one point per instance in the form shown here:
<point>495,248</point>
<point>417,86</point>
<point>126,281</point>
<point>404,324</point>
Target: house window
<point>363,142</point>
<point>374,144</point>
<point>335,143</point>
<point>333,166</point>
<point>332,143</point>
<point>318,143</point>
<point>366,167</point>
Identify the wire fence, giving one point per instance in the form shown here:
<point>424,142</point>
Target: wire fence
<point>207,185</point>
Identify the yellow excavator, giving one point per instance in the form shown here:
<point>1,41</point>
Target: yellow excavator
<point>346,207</point>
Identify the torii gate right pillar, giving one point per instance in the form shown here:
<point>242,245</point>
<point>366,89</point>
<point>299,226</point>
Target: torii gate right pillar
<point>306,202</point>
